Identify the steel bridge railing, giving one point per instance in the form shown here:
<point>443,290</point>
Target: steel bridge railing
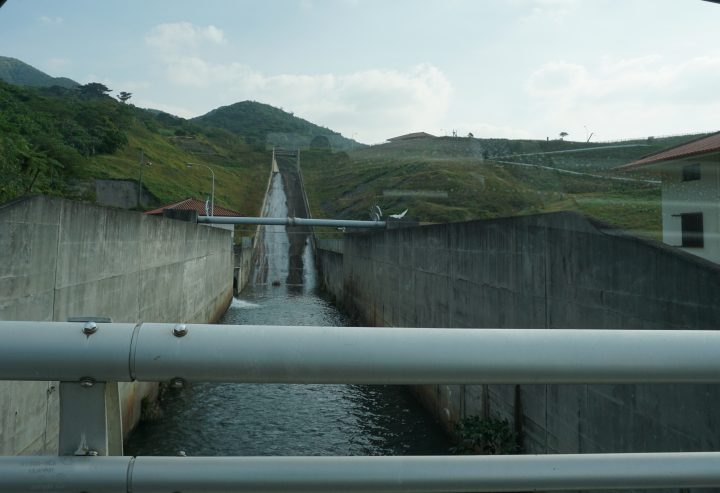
<point>87,358</point>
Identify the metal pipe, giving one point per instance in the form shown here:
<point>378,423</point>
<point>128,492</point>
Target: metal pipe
<point>65,351</point>
<point>33,474</point>
<point>292,221</point>
<point>367,355</point>
<point>363,355</point>
<point>431,474</point>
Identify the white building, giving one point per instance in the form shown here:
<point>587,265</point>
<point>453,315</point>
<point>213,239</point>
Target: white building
<point>690,194</point>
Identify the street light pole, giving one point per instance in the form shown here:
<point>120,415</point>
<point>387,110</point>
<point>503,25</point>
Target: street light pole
<point>142,161</point>
<point>212,194</point>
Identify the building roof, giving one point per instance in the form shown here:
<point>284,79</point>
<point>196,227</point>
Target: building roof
<point>193,204</point>
<point>704,145</point>
<point>416,135</point>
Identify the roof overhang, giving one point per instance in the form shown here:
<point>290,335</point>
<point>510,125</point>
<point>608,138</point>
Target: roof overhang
<point>703,149</point>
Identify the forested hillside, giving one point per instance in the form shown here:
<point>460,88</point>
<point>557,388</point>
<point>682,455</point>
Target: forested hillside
<point>264,125</point>
<point>17,72</point>
<point>57,140</point>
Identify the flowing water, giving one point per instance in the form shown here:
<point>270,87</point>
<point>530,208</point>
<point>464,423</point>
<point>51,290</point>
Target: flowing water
<point>254,419</point>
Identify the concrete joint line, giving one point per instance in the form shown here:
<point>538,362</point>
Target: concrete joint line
<point>129,477</point>
<point>132,350</point>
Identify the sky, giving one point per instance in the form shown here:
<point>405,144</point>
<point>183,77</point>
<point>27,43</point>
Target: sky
<point>375,69</point>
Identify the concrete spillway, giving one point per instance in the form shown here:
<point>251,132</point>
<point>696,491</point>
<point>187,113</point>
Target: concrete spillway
<point>284,253</point>
<point>247,419</point>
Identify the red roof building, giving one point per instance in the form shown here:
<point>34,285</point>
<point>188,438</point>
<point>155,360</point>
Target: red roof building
<point>699,147</point>
<point>690,194</point>
<point>193,204</point>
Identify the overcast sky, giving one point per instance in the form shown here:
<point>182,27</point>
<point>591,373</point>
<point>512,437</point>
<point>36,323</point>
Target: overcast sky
<point>376,69</point>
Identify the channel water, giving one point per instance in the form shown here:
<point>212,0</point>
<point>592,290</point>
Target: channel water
<point>254,419</point>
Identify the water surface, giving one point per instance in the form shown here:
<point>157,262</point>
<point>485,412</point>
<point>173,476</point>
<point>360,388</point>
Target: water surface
<point>262,419</point>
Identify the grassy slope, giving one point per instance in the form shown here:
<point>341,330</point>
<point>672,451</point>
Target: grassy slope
<point>346,186</point>
<point>57,141</point>
<point>240,174</point>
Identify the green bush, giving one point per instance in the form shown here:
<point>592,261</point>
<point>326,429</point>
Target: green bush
<point>485,436</point>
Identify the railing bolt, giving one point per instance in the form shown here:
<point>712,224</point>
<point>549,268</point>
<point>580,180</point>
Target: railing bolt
<point>87,382</point>
<point>90,328</point>
<point>180,330</point>
<point>177,383</point>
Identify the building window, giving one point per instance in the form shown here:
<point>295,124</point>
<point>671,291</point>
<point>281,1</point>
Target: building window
<point>691,172</point>
<point>692,230</point>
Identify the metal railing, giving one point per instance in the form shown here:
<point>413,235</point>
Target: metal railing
<point>88,357</point>
<point>291,221</point>
<point>437,474</point>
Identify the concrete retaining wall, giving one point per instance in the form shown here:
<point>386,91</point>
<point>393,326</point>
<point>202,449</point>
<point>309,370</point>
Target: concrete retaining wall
<point>243,264</point>
<point>123,194</point>
<point>329,260</point>
<point>63,259</point>
<point>548,271</point>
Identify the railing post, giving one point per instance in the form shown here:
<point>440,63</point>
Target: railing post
<point>90,419</point>
<point>83,418</point>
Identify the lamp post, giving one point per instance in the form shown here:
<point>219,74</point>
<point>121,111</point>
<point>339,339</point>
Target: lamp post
<point>212,194</point>
<point>142,163</point>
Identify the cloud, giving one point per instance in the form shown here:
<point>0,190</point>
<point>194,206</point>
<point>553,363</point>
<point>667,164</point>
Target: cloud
<point>556,79</point>
<point>646,79</point>
<point>182,36</point>
<point>51,21</point>
<point>375,103</point>
<point>630,96</point>
<point>543,11</point>
<point>58,63</point>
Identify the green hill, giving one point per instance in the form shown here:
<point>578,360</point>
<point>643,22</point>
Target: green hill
<point>13,71</point>
<point>560,154</point>
<point>264,126</point>
<point>457,179</point>
<point>57,141</point>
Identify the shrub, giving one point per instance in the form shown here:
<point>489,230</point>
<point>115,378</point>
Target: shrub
<point>485,436</point>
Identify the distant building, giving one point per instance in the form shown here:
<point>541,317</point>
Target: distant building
<point>690,194</point>
<point>413,136</point>
<point>202,208</point>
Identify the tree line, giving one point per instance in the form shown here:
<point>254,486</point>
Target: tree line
<point>46,132</point>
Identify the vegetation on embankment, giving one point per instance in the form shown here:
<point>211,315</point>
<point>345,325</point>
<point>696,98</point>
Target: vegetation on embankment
<point>57,141</point>
<point>448,179</point>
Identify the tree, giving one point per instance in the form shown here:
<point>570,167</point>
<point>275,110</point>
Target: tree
<point>563,135</point>
<point>124,96</point>
<point>470,135</point>
<point>94,90</point>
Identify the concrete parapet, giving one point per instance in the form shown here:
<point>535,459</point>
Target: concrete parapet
<point>64,259</point>
<point>555,271</point>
